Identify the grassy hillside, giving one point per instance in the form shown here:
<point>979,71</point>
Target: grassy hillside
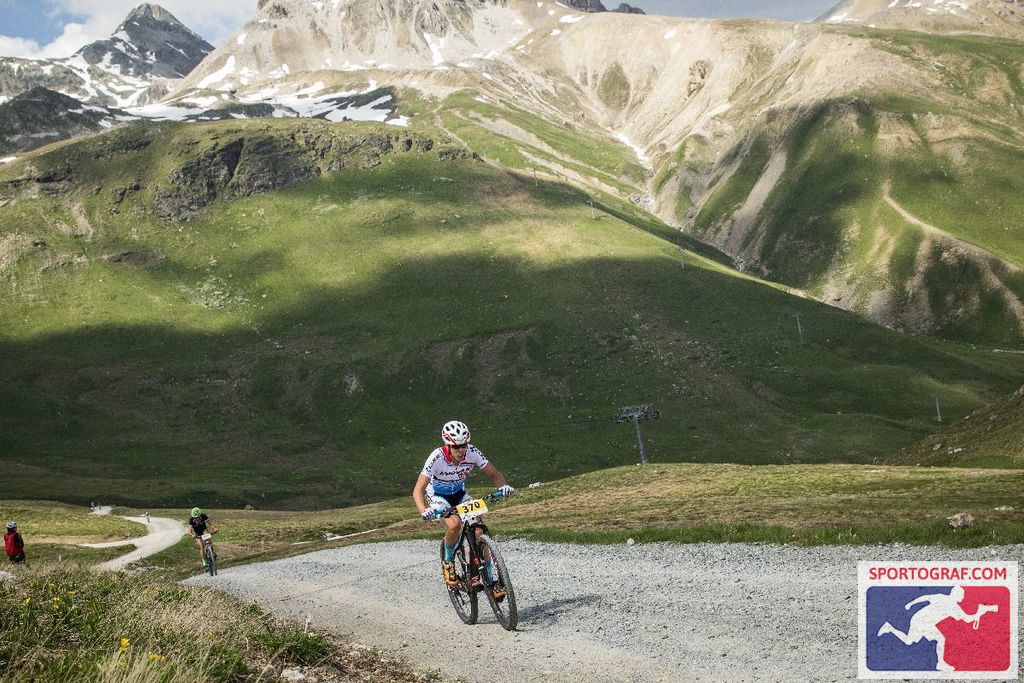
<point>991,436</point>
<point>901,207</point>
<point>301,347</point>
<point>525,141</point>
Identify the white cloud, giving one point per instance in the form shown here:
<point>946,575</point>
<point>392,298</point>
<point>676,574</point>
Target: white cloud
<point>18,47</point>
<point>97,19</point>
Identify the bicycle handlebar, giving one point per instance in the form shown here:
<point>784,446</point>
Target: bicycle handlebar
<point>492,497</point>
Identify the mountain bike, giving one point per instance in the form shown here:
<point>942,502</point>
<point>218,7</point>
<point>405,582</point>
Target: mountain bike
<point>211,557</point>
<point>474,549</point>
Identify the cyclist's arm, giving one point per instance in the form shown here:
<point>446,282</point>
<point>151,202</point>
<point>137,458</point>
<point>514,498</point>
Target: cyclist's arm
<point>497,477</point>
<point>419,492</point>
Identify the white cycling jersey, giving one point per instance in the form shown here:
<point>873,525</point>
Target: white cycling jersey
<point>447,479</point>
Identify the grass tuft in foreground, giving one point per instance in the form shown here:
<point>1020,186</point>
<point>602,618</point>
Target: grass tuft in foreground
<point>64,623</point>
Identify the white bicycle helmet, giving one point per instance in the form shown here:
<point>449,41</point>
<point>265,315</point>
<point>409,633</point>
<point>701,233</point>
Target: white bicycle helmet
<point>455,433</point>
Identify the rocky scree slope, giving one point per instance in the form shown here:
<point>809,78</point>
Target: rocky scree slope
<point>41,116</point>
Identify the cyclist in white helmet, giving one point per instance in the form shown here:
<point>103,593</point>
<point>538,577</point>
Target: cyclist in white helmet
<point>442,484</point>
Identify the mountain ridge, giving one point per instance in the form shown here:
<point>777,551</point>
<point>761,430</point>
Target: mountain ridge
<point>138,64</point>
<point>997,18</point>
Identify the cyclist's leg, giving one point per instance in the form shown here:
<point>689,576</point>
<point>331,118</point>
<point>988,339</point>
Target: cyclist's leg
<point>202,550</point>
<point>453,526</point>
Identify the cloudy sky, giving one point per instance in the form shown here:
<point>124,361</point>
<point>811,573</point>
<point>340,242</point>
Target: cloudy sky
<point>57,28</point>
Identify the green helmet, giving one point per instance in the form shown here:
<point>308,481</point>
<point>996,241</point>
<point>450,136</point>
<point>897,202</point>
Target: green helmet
<point>196,512</point>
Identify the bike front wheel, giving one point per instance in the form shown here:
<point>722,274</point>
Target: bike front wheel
<point>505,607</point>
<point>462,596</point>
<point>211,561</point>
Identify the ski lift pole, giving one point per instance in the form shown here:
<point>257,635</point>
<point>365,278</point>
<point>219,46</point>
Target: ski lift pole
<point>640,440</point>
<point>636,415</point>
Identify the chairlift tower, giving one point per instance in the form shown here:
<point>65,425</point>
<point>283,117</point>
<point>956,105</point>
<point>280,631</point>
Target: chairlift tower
<point>636,415</point>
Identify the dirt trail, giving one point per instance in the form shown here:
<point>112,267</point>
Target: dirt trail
<point>161,533</point>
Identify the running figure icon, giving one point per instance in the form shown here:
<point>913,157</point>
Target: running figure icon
<point>924,624</point>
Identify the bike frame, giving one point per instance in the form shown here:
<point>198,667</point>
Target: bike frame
<point>475,559</point>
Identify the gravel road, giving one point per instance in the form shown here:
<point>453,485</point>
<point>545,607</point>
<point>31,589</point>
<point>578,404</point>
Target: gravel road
<point>658,612</point>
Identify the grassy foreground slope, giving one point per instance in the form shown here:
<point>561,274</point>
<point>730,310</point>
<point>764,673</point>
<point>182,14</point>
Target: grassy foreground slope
<point>301,347</point>
<point>64,623</point>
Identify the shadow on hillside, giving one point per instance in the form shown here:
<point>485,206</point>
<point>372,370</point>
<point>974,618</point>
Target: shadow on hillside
<point>301,394</point>
<point>333,397</point>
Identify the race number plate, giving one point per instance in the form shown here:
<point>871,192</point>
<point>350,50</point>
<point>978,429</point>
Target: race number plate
<point>207,536</point>
<point>472,507</point>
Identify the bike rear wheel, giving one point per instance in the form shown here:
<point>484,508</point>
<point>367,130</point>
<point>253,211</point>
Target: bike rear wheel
<point>505,611</point>
<point>211,561</point>
<point>463,596</point>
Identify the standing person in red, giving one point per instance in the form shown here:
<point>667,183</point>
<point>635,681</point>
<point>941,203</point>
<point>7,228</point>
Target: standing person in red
<point>442,484</point>
<point>14,544</point>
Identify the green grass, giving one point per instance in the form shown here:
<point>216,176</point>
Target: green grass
<point>57,521</point>
<point>832,174</point>
<point>613,88</point>
<point>299,349</point>
<point>70,624</point>
<point>731,194</point>
<point>991,437</point>
<point>680,503</point>
<point>976,198</point>
<point>62,553</point>
<point>827,226</point>
<point>575,147</point>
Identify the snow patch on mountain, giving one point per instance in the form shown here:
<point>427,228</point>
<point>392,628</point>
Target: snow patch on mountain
<point>219,76</point>
<point>366,104</point>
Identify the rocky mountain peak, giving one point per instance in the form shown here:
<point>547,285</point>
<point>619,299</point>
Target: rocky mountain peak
<point>594,6</point>
<point>587,5</point>
<point>148,10</point>
<point>150,42</point>
<point>138,64</point>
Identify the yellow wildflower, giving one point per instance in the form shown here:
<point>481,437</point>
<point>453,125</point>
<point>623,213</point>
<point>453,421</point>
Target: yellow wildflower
<point>156,657</point>
<point>28,600</point>
<point>124,644</point>
<point>71,593</point>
